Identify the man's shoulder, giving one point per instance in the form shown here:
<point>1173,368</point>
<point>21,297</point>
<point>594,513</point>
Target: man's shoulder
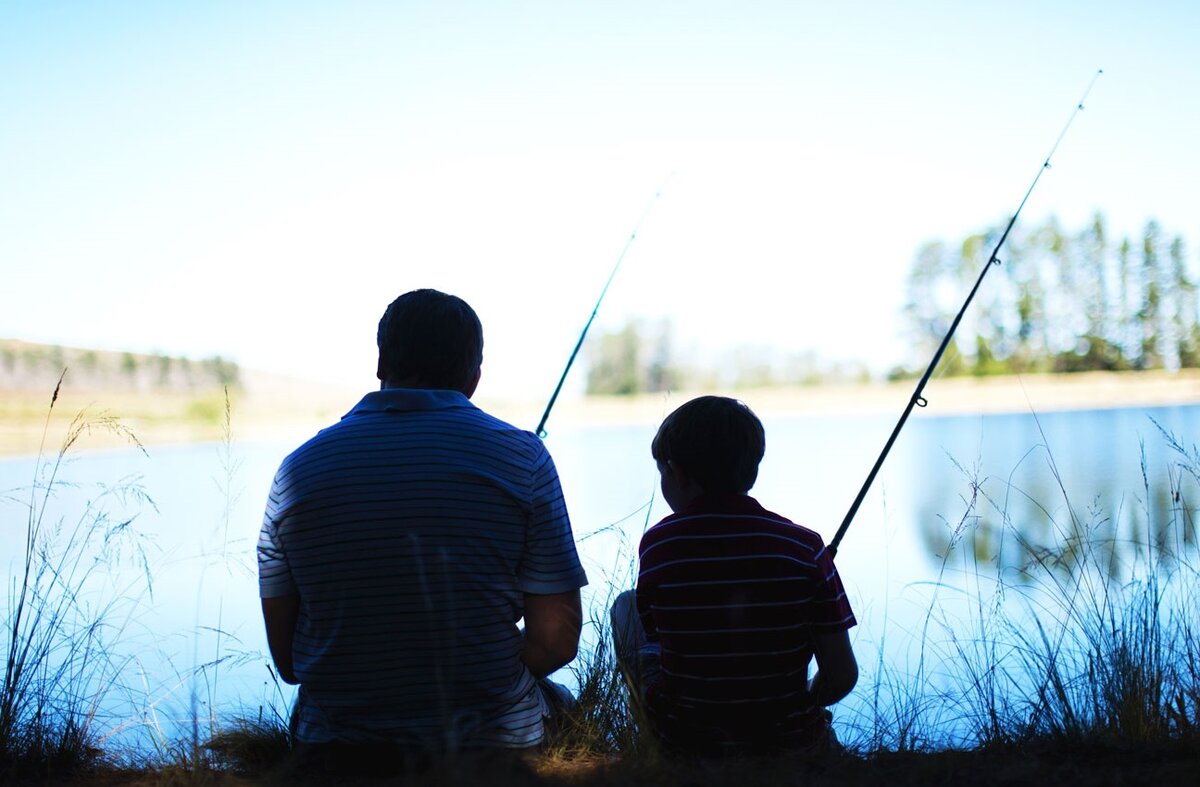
<point>362,429</point>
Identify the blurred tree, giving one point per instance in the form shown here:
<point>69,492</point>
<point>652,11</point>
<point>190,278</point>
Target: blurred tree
<point>615,366</point>
<point>1150,349</point>
<point>1184,315</point>
<point>1125,322</point>
<point>1064,302</point>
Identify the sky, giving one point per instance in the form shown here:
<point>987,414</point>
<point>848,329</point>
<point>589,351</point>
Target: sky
<point>259,180</point>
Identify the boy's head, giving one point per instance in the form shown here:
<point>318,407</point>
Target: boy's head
<point>713,442</point>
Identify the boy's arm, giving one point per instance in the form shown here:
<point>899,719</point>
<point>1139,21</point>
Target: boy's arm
<point>837,669</point>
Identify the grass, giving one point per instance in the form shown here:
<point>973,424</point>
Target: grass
<point>62,615</point>
<point>1055,651</point>
<point>1072,660</point>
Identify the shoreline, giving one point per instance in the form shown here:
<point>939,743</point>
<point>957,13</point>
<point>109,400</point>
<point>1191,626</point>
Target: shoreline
<point>281,409</point>
<point>948,396</point>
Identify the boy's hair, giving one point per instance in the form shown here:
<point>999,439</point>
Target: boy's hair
<point>717,441</point>
<point>430,338</point>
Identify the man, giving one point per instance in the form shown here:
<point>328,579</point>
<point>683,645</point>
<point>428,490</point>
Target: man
<point>400,549</point>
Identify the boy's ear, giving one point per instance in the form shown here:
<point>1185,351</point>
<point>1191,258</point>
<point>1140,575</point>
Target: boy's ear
<point>678,473</point>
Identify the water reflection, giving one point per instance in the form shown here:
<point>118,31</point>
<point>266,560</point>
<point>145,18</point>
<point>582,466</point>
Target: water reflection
<point>1066,512</point>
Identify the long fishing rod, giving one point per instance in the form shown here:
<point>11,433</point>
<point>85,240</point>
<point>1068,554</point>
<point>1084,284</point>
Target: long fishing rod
<point>541,427</point>
<point>917,400</point>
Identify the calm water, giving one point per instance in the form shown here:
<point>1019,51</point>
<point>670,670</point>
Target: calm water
<point>191,646</point>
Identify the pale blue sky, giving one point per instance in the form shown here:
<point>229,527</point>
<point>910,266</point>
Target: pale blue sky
<point>258,180</point>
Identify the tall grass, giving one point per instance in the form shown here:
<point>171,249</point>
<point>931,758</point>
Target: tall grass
<point>1090,639</point>
<point>63,613</point>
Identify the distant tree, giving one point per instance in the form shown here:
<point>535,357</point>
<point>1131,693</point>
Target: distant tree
<point>661,372</point>
<point>164,369</point>
<point>1126,322</point>
<point>1066,301</point>
<point>1150,350</point>
<point>614,366</point>
<point>224,372</point>
<point>753,367</point>
<point>986,362</point>
<point>927,305</point>
<point>1184,312</point>
<point>1093,285</point>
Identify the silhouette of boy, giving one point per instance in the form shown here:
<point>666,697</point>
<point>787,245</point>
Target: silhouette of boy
<point>732,601</point>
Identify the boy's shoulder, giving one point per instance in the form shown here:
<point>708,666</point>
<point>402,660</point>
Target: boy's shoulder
<point>736,517</point>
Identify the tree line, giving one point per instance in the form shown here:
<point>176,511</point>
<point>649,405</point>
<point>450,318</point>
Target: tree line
<point>26,366</point>
<point>643,357</point>
<point>1060,301</point>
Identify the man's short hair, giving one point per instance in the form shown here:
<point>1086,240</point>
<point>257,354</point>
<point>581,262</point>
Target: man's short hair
<point>717,441</point>
<point>431,340</point>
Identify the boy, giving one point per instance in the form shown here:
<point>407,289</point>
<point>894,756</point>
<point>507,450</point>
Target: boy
<point>732,601</point>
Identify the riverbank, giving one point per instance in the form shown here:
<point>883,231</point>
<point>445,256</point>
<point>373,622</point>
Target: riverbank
<point>277,408</point>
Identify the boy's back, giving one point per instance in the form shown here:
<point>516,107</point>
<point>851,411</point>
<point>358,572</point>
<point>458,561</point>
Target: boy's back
<point>734,595</point>
<point>732,601</point>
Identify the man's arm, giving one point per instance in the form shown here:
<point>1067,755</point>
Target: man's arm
<point>280,615</point>
<point>837,670</point>
<point>552,625</point>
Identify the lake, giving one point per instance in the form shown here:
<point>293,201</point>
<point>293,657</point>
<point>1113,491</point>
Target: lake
<point>966,509</point>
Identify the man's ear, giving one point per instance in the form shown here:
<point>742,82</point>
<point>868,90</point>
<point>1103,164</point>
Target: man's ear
<point>469,391</point>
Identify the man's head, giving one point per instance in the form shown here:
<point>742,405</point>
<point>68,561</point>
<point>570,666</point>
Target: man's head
<point>712,444</point>
<point>428,339</point>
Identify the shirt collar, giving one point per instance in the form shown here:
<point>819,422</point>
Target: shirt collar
<point>729,503</point>
<point>399,400</point>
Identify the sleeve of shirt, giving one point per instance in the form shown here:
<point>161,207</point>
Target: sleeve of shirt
<point>829,608</point>
<point>551,562</point>
<point>274,574</point>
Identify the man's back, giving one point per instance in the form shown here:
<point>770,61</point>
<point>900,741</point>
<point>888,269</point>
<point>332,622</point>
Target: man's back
<point>411,531</point>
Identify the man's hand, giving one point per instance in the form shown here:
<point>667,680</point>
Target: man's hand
<point>552,625</point>
<point>280,614</point>
<point>837,670</point>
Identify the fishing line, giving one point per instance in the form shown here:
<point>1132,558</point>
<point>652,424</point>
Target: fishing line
<point>917,400</point>
<point>541,427</point>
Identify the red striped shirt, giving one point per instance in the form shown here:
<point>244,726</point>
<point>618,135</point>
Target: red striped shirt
<point>734,595</point>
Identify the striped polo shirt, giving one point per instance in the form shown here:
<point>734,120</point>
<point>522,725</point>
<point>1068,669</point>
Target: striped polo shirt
<point>734,594</point>
<point>411,531</point>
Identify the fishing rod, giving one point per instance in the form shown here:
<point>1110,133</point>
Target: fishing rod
<point>541,427</point>
<point>917,400</point>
